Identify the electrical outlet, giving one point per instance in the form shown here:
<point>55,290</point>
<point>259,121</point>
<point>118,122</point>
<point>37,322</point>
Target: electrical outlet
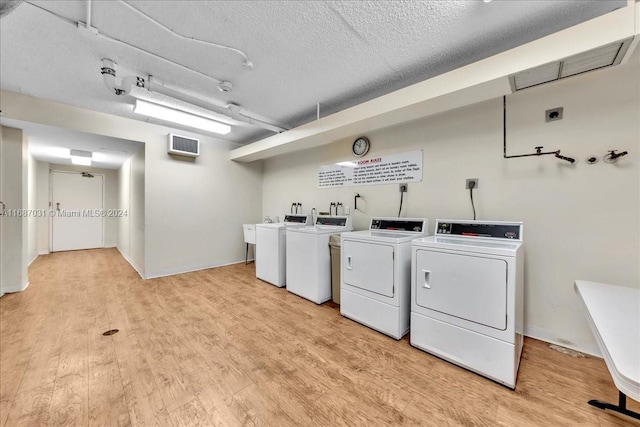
<point>475,183</point>
<point>403,188</point>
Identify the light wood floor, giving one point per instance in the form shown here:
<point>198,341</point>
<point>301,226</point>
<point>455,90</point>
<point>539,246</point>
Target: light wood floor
<point>219,347</point>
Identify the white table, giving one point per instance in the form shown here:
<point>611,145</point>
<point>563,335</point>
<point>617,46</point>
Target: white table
<point>614,317</point>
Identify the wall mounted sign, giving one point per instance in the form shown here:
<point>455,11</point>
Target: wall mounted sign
<point>393,168</point>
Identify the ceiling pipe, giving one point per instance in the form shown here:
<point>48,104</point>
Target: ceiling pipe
<point>88,20</point>
<point>231,110</point>
<point>237,113</point>
<point>246,63</point>
<point>108,72</point>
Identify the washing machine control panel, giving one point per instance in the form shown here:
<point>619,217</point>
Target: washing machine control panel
<point>296,219</point>
<point>510,231</point>
<point>336,221</point>
<point>393,224</point>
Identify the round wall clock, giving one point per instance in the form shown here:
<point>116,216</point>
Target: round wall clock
<point>360,146</point>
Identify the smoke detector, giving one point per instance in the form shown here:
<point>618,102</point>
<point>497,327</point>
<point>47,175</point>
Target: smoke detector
<point>225,87</point>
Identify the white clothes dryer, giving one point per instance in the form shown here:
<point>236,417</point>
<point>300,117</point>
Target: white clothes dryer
<point>467,296</point>
<point>375,285</point>
<point>270,256</point>
<point>309,259</point>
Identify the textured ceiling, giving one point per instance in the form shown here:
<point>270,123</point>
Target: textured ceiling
<point>336,53</point>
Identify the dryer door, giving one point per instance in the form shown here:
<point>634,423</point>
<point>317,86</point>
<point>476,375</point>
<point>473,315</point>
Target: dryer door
<point>368,266</point>
<point>470,287</point>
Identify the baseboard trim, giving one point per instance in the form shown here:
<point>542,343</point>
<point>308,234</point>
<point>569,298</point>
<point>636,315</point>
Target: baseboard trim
<point>31,262</point>
<point>43,252</point>
<point>174,271</point>
<point>132,263</point>
<point>548,336</point>
<point>14,289</point>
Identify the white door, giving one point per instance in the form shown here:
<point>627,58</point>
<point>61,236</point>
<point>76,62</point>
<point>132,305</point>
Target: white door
<point>472,288</point>
<point>78,204</point>
<point>369,266</point>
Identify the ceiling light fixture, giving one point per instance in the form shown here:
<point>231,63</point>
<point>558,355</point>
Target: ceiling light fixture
<point>82,158</point>
<point>181,117</point>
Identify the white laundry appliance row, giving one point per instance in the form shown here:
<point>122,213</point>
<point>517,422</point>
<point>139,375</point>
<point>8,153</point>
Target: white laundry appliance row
<point>296,254</point>
<point>271,249</point>
<point>459,292</point>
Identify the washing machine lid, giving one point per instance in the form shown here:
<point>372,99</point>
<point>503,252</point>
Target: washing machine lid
<point>382,236</point>
<point>392,230</point>
<point>326,224</point>
<point>468,245</point>
<point>276,225</point>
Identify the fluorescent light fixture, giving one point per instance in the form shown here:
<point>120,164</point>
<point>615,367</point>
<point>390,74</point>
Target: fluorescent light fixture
<point>79,157</point>
<point>181,117</point>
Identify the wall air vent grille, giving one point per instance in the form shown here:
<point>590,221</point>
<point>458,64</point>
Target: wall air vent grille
<point>600,57</point>
<point>184,146</point>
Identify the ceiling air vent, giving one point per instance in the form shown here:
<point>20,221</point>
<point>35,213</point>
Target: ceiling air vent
<point>184,146</point>
<point>601,57</point>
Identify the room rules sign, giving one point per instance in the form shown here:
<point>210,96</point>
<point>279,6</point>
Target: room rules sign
<point>389,169</point>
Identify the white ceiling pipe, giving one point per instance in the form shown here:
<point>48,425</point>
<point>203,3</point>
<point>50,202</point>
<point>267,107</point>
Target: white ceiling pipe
<point>88,20</point>
<point>108,71</point>
<point>237,113</point>
<point>233,111</point>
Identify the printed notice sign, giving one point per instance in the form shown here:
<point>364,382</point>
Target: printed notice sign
<point>393,168</point>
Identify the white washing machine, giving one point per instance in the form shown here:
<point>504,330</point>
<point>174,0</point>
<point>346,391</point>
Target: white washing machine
<point>375,285</point>
<point>270,256</point>
<point>309,260</point>
<point>467,296</point>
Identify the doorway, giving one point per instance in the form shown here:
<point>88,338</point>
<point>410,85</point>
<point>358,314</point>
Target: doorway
<point>77,204</point>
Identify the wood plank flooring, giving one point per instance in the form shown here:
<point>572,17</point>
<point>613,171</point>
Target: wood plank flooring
<point>220,348</point>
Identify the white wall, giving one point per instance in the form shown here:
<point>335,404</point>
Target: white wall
<point>580,222</point>
<point>110,200</point>
<point>124,197</point>
<point>131,237</point>
<point>14,180</point>
<point>193,211</point>
<point>195,208</point>
<point>32,221</point>
<point>42,203</point>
